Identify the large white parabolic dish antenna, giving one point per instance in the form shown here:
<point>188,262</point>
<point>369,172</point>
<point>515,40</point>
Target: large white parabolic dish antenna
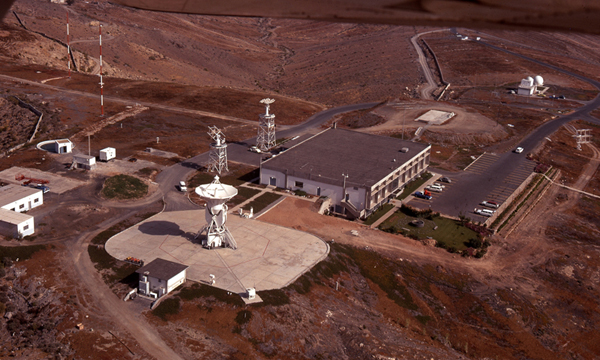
<point>216,195</point>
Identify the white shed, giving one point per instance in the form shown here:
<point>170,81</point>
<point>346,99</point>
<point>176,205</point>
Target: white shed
<point>160,277</point>
<point>108,153</point>
<point>15,224</point>
<point>63,146</point>
<point>84,162</point>
<point>20,198</point>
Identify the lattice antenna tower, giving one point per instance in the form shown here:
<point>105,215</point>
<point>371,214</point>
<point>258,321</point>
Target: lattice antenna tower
<point>266,127</point>
<point>217,155</point>
<point>583,136</point>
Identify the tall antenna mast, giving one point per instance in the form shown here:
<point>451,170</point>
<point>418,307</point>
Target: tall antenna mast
<point>68,47</point>
<point>217,155</point>
<point>583,136</point>
<point>266,127</point>
<point>101,83</point>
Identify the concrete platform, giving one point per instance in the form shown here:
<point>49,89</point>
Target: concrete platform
<point>268,256</point>
<point>436,117</point>
<point>58,184</point>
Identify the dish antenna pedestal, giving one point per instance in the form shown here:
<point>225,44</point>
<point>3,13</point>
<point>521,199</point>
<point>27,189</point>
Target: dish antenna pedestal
<point>266,127</point>
<point>217,155</point>
<point>216,195</point>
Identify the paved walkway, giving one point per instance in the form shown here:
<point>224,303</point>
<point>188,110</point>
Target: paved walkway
<point>398,203</point>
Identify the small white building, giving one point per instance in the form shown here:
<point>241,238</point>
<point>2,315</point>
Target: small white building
<point>20,198</point>
<point>108,153</point>
<point>14,200</point>
<point>84,162</point>
<point>160,277</point>
<point>63,146</point>
<point>526,87</point>
<point>15,224</point>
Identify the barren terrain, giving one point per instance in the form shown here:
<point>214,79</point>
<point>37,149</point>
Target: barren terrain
<point>378,295</point>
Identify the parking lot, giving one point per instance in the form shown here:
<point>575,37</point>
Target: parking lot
<point>487,178</point>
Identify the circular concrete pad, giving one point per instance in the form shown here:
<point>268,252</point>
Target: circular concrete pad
<point>268,256</point>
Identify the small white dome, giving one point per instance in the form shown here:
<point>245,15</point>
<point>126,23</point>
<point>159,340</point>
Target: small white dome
<point>529,78</point>
<point>539,80</point>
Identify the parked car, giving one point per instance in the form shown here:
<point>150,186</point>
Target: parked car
<point>445,179</point>
<point>182,186</point>
<point>42,187</point>
<point>491,204</point>
<point>422,196</point>
<point>484,212</point>
<point>439,185</point>
<point>434,188</point>
<point>254,149</point>
<point>519,150</point>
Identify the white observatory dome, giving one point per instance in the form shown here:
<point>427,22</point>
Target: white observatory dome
<point>529,78</point>
<point>539,81</point>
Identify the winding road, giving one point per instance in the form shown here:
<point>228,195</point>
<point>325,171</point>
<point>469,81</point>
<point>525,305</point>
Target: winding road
<point>147,336</point>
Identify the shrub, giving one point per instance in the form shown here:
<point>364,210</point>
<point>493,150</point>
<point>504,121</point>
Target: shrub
<point>167,307</point>
<point>243,317</point>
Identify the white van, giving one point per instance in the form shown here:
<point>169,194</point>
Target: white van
<point>182,186</point>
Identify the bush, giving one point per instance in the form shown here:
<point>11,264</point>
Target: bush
<point>167,307</point>
<point>124,187</point>
<point>243,317</point>
<point>474,243</point>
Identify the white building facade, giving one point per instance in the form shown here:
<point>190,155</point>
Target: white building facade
<point>20,198</point>
<point>357,171</point>
<point>160,277</point>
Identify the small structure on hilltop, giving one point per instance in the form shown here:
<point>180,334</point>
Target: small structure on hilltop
<point>63,146</point>
<point>218,151</point>
<point>86,162</point>
<point>216,195</point>
<point>107,154</point>
<point>531,86</point>
<point>160,277</point>
<point>266,127</point>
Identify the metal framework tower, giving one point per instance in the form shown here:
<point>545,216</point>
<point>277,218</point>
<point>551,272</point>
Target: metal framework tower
<point>266,127</point>
<point>218,151</point>
<point>583,136</point>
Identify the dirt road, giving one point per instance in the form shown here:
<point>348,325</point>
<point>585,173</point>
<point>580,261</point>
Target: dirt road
<point>431,84</point>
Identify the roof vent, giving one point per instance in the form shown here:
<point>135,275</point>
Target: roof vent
<point>404,150</point>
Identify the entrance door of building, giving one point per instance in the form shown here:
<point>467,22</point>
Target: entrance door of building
<point>273,181</point>
<point>318,191</point>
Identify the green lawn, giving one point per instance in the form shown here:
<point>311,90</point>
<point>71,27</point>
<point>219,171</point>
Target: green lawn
<point>124,187</point>
<point>378,213</point>
<point>449,232</point>
<point>262,202</point>
<point>414,185</point>
<point>244,194</point>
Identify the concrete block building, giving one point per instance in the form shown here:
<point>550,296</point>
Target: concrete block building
<point>14,200</point>
<point>358,172</point>
<point>160,277</point>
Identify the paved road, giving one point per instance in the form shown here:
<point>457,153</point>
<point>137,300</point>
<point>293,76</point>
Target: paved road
<point>470,189</point>
<point>431,84</point>
<point>238,152</point>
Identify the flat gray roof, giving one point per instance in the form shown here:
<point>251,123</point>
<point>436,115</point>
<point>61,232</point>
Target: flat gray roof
<point>13,217</point>
<point>11,193</point>
<point>161,269</point>
<point>365,158</point>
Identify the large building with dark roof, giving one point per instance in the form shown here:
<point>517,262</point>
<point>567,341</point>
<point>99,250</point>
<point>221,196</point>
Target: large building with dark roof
<point>356,171</point>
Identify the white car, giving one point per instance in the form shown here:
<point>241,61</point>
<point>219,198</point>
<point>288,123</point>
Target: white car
<point>434,188</point>
<point>484,212</point>
<point>254,149</point>
<point>182,186</point>
<point>519,150</point>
